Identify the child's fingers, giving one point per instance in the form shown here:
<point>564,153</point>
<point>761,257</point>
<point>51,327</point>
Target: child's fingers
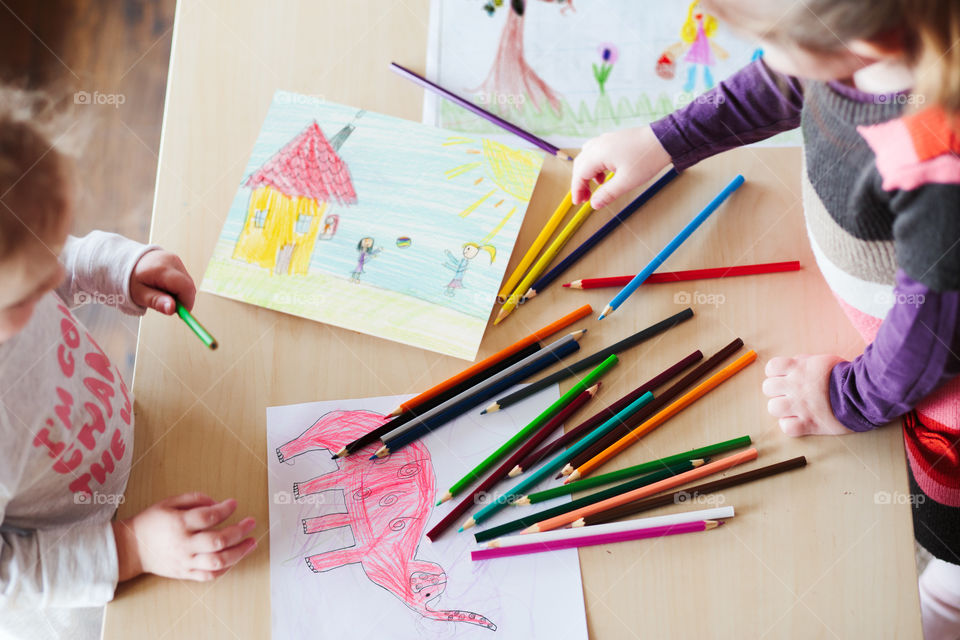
<point>224,559</point>
<point>775,386</point>
<point>792,426</point>
<point>212,541</point>
<point>586,167</point>
<point>187,500</point>
<point>780,407</point>
<point>206,517</point>
<point>778,366</point>
<point>179,284</point>
<point>609,191</point>
<point>158,300</point>
<point>205,576</point>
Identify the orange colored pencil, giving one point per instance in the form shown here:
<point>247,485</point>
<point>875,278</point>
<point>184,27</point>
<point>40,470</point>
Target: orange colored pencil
<point>665,414</point>
<point>642,492</point>
<point>523,343</point>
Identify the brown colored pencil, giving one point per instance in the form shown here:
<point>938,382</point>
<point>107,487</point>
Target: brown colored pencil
<point>658,403</point>
<point>689,494</point>
<point>588,425</point>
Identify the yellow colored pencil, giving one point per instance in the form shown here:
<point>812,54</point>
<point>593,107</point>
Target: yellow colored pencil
<point>548,256</point>
<point>534,250</point>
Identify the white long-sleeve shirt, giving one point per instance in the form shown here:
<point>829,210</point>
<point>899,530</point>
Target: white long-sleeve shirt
<point>66,443</point>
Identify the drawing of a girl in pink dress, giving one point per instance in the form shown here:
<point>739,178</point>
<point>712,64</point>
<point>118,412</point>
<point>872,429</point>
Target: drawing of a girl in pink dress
<point>367,252</point>
<point>696,36</point>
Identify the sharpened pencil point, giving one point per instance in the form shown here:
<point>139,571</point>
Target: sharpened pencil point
<point>515,472</point>
<point>521,502</point>
<point>445,497</point>
<point>579,522</point>
<point>567,470</point>
<point>494,544</point>
<point>576,284</point>
<point>395,412</point>
<point>500,316</point>
<point>563,155</point>
<point>534,528</point>
<point>579,333</point>
<point>531,293</point>
<point>469,524</point>
<point>492,408</point>
<point>607,310</point>
<point>483,412</point>
<point>382,452</point>
<point>573,477</point>
<point>566,284</point>
<point>339,454</point>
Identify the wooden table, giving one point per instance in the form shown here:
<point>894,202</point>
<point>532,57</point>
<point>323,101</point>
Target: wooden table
<point>826,551</point>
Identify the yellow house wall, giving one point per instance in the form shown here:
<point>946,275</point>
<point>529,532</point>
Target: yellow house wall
<point>260,245</point>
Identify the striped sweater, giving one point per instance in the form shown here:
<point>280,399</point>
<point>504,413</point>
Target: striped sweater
<point>881,196</point>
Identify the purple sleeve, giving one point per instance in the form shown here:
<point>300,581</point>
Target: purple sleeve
<point>913,354</point>
<point>751,105</point>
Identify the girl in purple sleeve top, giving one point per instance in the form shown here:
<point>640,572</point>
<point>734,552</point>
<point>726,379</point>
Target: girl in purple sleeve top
<point>877,95</point>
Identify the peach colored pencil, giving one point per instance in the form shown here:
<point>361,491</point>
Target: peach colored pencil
<point>642,492</point>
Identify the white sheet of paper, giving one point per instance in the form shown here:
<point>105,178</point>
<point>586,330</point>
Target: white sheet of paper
<point>535,596</point>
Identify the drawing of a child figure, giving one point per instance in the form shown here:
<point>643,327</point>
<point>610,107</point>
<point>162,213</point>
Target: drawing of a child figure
<point>459,266</point>
<point>367,252</point>
<point>695,39</point>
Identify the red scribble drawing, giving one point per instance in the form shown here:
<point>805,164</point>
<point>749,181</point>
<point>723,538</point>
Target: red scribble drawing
<point>511,79</point>
<point>388,502</point>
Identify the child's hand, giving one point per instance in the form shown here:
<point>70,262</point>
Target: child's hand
<point>799,397</point>
<point>634,154</point>
<point>176,538</point>
<point>159,277</point>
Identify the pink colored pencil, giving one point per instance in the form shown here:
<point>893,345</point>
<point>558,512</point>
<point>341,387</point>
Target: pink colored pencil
<point>690,274</point>
<point>593,540</point>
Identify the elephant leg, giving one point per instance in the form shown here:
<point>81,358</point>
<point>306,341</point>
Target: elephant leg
<point>333,559</point>
<point>326,482</point>
<point>326,522</point>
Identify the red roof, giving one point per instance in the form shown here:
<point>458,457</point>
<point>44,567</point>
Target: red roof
<point>307,166</point>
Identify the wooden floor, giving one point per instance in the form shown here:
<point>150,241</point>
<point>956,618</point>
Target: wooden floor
<point>109,58</point>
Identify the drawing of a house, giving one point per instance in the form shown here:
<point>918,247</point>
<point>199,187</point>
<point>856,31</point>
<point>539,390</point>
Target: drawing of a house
<point>291,193</point>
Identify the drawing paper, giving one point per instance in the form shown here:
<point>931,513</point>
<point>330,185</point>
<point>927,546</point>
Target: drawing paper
<point>371,572</point>
<point>543,70</point>
<point>373,223</point>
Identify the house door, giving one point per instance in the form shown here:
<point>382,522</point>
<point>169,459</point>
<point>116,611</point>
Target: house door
<point>284,254</point>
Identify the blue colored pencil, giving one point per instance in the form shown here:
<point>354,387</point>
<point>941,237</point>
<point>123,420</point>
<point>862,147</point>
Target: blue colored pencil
<point>469,402</point>
<point>600,234</point>
<point>555,464</point>
<point>672,246</point>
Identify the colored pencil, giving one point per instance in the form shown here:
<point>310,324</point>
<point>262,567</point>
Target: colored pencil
<point>589,361</point>
<point>690,493</point>
<point>555,463</point>
<point>475,372</point>
<point>669,483</point>
<point>196,327</point>
<point>663,398</point>
<point>552,223</point>
<point>519,437</point>
<point>483,113</point>
<point>667,412</point>
<point>593,540</point>
<point>660,474</point>
<point>470,400</point>
<point>604,414</point>
<point>491,480</point>
<point>489,382</point>
<point>600,234</point>
<point>409,414</point>
<point>548,256</point>
<point>715,513</point>
<point>672,246</point>
<point>572,485</point>
<point>666,277</point>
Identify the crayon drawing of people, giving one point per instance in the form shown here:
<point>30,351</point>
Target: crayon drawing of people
<point>459,266</point>
<point>696,39</point>
<point>366,252</point>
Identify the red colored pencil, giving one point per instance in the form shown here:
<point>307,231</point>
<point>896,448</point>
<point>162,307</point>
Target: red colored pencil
<point>690,274</point>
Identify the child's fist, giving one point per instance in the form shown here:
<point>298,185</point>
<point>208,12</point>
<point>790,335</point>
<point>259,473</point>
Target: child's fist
<point>799,395</point>
<point>177,538</point>
<point>635,155</point>
<point>158,278</point>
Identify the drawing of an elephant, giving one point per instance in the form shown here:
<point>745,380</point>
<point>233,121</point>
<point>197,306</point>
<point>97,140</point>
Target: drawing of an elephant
<point>388,502</point>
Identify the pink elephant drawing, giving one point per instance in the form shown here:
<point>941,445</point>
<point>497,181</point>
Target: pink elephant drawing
<point>388,502</point>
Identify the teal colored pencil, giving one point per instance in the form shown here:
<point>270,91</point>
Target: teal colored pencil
<point>588,381</point>
<point>557,462</point>
<point>636,470</point>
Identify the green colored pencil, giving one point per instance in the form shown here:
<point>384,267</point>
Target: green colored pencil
<point>515,525</point>
<point>585,383</point>
<point>196,327</point>
<point>572,484</point>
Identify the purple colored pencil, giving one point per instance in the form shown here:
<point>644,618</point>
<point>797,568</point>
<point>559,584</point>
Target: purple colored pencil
<point>483,113</point>
<point>593,540</point>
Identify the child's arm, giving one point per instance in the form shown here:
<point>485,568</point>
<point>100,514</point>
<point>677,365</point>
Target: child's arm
<point>751,105</point>
<point>109,269</point>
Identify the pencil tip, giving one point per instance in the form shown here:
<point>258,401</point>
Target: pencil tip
<point>483,412</point>
<point>566,284</point>
<point>492,408</point>
<point>468,524</point>
<point>602,316</point>
<point>445,497</point>
<point>515,472</point>
<point>531,293</point>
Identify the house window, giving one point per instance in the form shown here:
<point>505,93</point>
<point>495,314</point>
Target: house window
<point>303,223</point>
<point>259,218</point>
